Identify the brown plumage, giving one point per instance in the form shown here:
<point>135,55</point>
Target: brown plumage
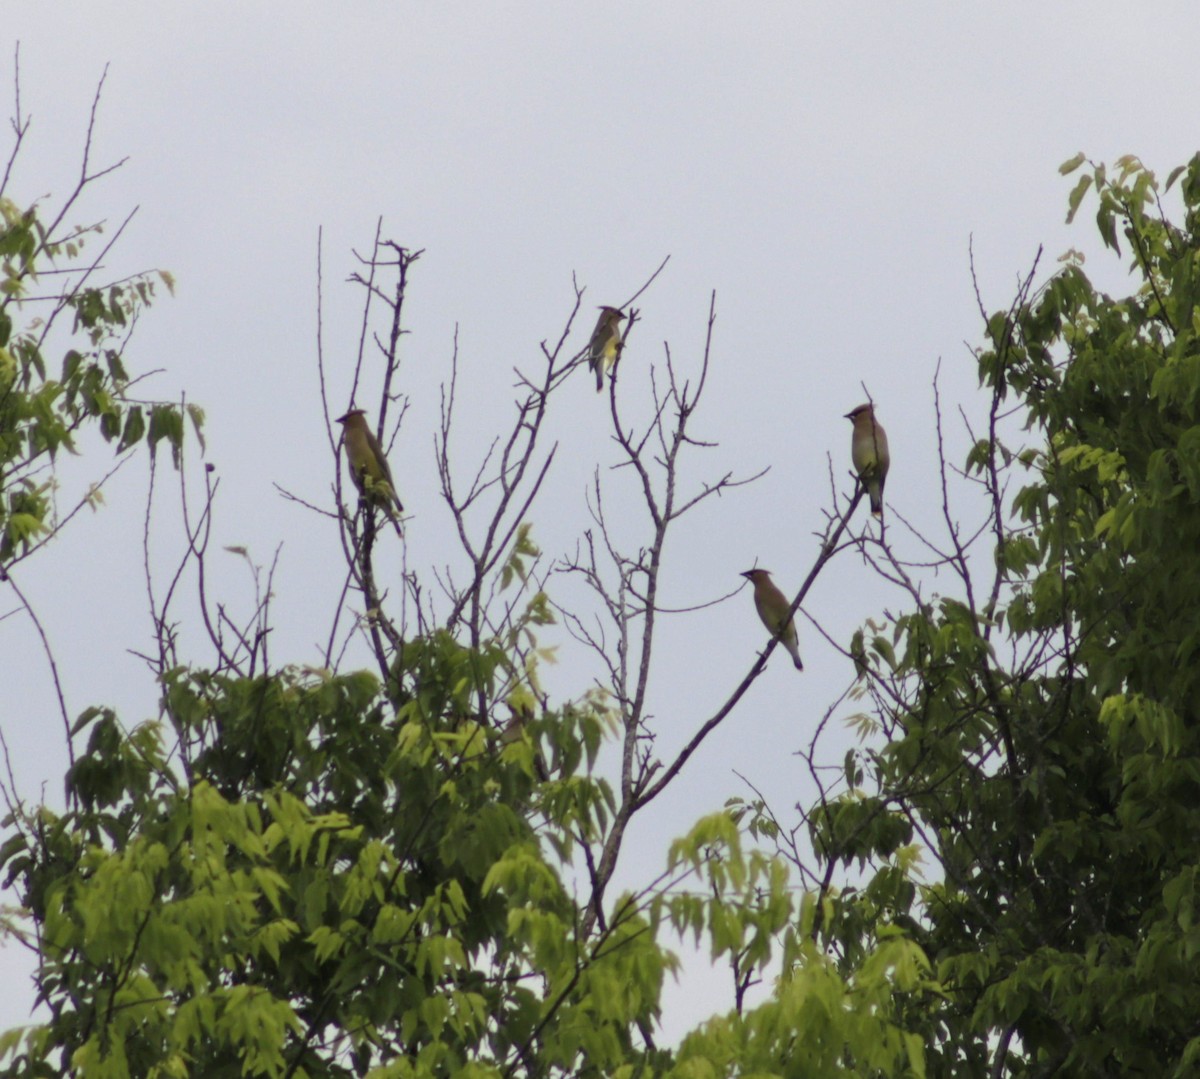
<point>605,343</point>
<point>869,452</point>
<point>368,466</point>
<point>773,607</point>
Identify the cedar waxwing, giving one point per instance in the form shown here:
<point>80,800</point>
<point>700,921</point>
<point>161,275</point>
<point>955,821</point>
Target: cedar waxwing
<point>773,609</point>
<point>869,452</point>
<point>368,466</point>
<point>605,343</point>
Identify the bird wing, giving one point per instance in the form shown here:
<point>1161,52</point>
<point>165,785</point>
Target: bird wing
<point>384,471</point>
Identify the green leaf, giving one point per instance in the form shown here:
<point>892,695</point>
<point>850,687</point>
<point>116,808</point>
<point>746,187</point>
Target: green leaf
<point>1071,164</point>
<point>1076,196</point>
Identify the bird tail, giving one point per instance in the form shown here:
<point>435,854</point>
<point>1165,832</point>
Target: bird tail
<point>875,493</point>
<point>392,506</point>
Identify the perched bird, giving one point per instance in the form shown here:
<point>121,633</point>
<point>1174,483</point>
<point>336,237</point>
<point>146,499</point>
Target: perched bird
<point>773,608</point>
<point>605,343</point>
<point>368,466</point>
<point>869,452</point>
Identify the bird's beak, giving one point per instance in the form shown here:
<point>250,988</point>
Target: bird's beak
<point>746,573</point>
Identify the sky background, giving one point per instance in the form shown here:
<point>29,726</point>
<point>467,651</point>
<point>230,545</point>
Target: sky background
<point>823,168</point>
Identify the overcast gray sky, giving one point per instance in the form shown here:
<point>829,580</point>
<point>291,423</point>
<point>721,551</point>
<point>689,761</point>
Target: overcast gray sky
<point>822,167</point>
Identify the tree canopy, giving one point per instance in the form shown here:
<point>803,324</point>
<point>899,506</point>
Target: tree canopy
<point>322,868</point>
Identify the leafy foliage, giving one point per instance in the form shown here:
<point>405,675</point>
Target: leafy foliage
<point>1041,729</point>
<point>44,407</point>
<point>342,876</point>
